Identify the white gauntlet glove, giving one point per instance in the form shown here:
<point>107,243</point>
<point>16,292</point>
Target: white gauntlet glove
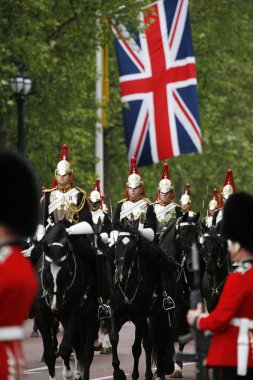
<point>113,237</point>
<point>148,233</point>
<point>40,232</point>
<point>82,228</point>
<point>104,237</point>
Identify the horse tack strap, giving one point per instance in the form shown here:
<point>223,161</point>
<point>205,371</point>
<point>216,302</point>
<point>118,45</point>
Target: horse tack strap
<point>11,333</point>
<point>186,224</point>
<point>244,325</point>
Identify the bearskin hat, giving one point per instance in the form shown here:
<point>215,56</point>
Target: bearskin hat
<point>237,224</point>
<point>19,194</point>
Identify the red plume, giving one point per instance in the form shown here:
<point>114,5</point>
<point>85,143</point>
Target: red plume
<point>165,174</point>
<point>64,156</point>
<point>215,195</point>
<point>133,166</point>
<point>187,189</point>
<point>165,171</point>
<point>96,185</point>
<point>134,169</point>
<point>229,179</point>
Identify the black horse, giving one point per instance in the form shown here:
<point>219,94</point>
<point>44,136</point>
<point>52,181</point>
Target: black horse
<point>134,299</point>
<point>217,266</point>
<point>177,241</point>
<point>67,295</point>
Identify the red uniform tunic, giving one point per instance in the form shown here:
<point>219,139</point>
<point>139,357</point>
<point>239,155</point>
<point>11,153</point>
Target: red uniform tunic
<point>236,301</point>
<point>18,285</point>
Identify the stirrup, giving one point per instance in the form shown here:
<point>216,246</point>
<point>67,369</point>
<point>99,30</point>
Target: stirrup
<point>104,311</point>
<point>168,302</point>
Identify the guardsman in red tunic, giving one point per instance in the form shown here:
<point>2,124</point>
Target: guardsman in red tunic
<point>19,212</point>
<point>231,350</point>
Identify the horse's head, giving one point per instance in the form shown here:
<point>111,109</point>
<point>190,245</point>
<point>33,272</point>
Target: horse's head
<point>126,252</point>
<point>214,250</point>
<point>186,234</point>
<point>56,271</point>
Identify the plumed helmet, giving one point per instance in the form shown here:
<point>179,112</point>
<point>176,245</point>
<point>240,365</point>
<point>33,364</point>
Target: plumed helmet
<point>213,204</point>
<point>228,186</point>
<point>63,166</point>
<point>19,205</point>
<point>237,222</point>
<point>95,196</point>
<point>185,198</point>
<point>165,184</point>
<point>134,179</point>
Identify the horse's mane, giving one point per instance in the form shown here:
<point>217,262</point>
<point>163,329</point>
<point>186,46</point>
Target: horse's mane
<point>167,237</point>
<point>56,234</point>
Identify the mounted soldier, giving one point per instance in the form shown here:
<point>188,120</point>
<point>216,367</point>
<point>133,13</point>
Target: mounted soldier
<point>185,201</point>
<point>227,190</point>
<point>99,212</point>
<point>212,208</point>
<point>137,211</point>
<point>164,206</point>
<point>69,205</point>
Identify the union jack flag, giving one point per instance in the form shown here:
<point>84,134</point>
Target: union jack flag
<point>158,81</point>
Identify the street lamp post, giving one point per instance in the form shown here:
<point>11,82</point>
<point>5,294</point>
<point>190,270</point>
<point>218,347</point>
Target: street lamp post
<point>20,86</point>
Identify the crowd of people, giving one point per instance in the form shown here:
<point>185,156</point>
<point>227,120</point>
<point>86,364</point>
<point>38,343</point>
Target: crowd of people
<point>87,215</point>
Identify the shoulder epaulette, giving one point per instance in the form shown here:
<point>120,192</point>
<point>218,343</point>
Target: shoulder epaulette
<point>81,190</point>
<point>48,190</point>
<point>123,200</point>
<point>148,201</point>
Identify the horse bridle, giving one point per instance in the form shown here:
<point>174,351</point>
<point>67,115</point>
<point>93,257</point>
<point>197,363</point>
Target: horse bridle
<point>46,292</point>
<point>178,225</point>
<point>116,280</point>
<point>215,290</point>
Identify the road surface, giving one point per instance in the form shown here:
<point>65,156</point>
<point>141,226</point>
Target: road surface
<point>101,368</point>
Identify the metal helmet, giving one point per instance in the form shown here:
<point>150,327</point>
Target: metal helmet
<point>165,185</point>
<point>95,196</point>
<point>228,185</point>
<point>134,180</point>
<point>213,204</point>
<point>63,167</point>
<point>227,191</point>
<point>185,199</point>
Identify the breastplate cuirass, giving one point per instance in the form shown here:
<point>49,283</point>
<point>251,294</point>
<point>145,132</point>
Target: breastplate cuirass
<point>64,202</point>
<point>163,218</point>
<point>136,212</point>
<point>96,215</point>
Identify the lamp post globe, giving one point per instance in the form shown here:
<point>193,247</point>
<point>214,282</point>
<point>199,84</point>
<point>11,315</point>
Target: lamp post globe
<point>21,86</point>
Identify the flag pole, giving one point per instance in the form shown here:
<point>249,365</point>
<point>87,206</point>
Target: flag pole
<point>99,145</point>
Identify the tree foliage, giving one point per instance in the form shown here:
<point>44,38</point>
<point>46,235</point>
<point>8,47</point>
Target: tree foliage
<point>58,40</point>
